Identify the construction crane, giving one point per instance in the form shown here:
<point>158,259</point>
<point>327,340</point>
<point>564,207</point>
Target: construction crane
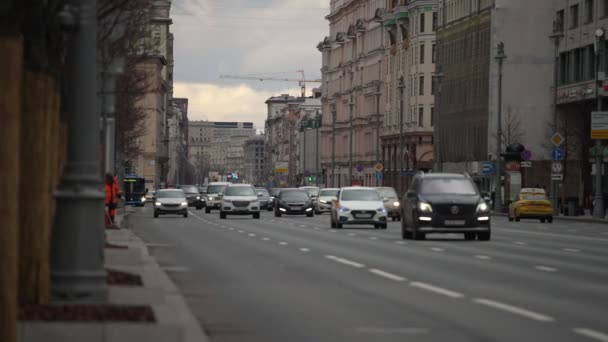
<point>301,82</point>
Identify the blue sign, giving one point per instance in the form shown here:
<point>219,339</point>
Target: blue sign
<point>526,155</point>
<point>378,175</point>
<point>488,168</point>
<point>557,154</point>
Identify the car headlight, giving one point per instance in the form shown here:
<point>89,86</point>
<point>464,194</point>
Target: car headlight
<point>381,210</point>
<point>323,201</point>
<point>184,203</point>
<point>143,199</point>
<point>482,207</point>
<point>210,198</point>
<point>198,197</point>
<point>396,204</point>
<point>423,206</point>
<point>157,204</point>
<point>344,209</point>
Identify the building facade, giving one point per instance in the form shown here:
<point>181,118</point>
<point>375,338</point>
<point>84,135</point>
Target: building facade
<point>255,171</point>
<point>179,165</point>
<point>308,116</point>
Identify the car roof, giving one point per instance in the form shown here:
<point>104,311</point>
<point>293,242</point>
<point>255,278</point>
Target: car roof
<point>219,183</point>
<point>172,189</point>
<point>240,185</point>
<point>330,189</point>
<point>532,191</point>
<point>357,188</point>
<point>309,187</point>
<point>294,189</point>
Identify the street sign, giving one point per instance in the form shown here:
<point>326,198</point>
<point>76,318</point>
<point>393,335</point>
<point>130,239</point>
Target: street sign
<point>557,154</point>
<point>557,177</point>
<point>281,167</point>
<point>359,168</point>
<point>557,139</point>
<point>526,163</point>
<point>488,168</point>
<point>599,125</point>
<point>526,155</point>
<point>556,167</point>
<point>378,167</point>
<point>378,175</point>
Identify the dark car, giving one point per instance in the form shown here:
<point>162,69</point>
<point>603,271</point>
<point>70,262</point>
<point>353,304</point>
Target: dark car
<point>444,203</point>
<point>264,198</point>
<point>293,202</point>
<point>274,193</point>
<point>193,196</point>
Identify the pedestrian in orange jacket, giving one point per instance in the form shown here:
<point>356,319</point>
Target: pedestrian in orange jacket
<point>111,200</point>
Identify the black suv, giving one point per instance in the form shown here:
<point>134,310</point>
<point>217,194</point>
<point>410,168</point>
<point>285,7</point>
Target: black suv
<point>444,203</point>
<point>293,202</point>
<point>193,196</point>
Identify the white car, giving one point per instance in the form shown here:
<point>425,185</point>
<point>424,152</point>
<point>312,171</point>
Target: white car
<point>170,201</point>
<point>240,199</point>
<point>359,205</point>
<point>213,198</point>
<point>326,197</point>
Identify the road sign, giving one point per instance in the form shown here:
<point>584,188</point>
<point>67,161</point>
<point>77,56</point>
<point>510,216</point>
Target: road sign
<point>378,167</point>
<point>526,155</point>
<point>557,154</point>
<point>359,168</point>
<point>557,139</point>
<point>557,176</point>
<point>557,167</point>
<point>526,163</point>
<point>378,175</point>
<point>599,125</point>
<point>281,167</point>
<point>488,168</point>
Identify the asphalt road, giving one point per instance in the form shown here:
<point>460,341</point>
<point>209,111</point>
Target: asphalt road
<point>296,279</point>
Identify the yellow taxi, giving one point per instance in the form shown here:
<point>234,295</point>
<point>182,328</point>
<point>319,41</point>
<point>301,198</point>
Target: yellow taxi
<point>534,205</point>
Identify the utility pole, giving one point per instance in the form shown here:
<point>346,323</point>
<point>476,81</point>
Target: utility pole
<point>438,76</point>
<point>401,87</point>
<point>333,143</point>
<point>351,104</point>
<point>500,57</point>
<point>303,131</point>
<point>378,94</point>
<point>318,123</point>
<point>598,205</point>
<point>78,236</point>
<point>558,33</point>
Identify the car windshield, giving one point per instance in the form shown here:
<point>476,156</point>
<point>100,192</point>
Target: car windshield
<point>439,186</point>
<point>312,191</point>
<point>360,195</point>
<point>264,192</point>
<point>329,193</point>
<point>295,195</point>
<point>239,191</point>
<point>171,194</point>
<point>215,189</point>
<point>189,189</point>
<point>535,197</point>
<point>387,192</point>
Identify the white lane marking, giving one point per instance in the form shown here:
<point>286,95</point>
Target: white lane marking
<point>596,335</point>
<point>436,289</point>
<point>175,269</point>
<point>514,310</point>
<point>572,250</point>
<point>386,275</point>
<point>304,250</point>
<point>521,243</point>
<point>373,238</point>
<point>437,249</point>
<point>483,257</point>
<point>266,239</point>
<point>222,226</point>
<point>242,232</point>
<point>303,226</point>
<point>283,243</point>
<point>399,242</point>
<point>345,261</point>
<point>316,228</point>
<point>545,268</point>
<point>251,234</point>
<point>333,231</point>
<point>231,228</point>
<point>351,234</point>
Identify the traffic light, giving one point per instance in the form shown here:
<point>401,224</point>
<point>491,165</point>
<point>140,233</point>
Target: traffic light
<point>311,179</point>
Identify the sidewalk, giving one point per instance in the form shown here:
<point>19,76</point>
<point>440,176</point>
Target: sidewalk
<point>587,218</point>
<point>174,320</point>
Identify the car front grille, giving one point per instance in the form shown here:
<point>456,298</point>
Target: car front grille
<point>240,203</point>
<point>446,209</point>
<point>363,213</point>
<point>171,205</point>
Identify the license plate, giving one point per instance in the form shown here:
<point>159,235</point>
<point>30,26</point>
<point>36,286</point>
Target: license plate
<point>454,222</point>
<point>364,216</point>
<point>296,208</point>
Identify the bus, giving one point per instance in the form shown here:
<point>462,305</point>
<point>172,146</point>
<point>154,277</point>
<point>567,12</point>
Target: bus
<point>134,189</point>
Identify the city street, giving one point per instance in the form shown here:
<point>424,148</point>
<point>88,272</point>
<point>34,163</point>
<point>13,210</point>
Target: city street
<point>295,279</point>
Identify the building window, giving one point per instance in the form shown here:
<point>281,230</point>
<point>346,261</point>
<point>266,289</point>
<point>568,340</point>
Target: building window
<point>421,86</point>
<point>422,22</point>
<point>560,18</point>
<point>434,21</point>
<point>422,53</point>
<point>421,117</point>
<point>433,54</point>
<point>432,116</point>
<point>574,16</point>
<point>433,87</point>
<point>605,8</point>
<point>588,11</point>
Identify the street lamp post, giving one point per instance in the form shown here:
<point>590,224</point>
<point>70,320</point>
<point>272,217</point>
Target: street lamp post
<point>558,33</point>
<point>438,78</point>
<point>378,94</point>
<point>500,57</point>
<point>598,205</point>
<point>317,159</point>
<point>401,87</point>
<point>351,104</point>
<point>333,144</point>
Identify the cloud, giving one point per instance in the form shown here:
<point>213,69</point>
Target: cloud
<point>226,103</point>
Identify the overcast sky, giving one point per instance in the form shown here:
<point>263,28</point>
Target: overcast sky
<point>242,37</point>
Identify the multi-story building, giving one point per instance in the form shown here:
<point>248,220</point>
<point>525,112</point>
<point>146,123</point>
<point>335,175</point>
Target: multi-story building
<point>576,95</point>
<point>352,69</point>
<point>178,143</point>
<point>157,63</point>
<point>308,146</point>
<point>407,138</point>
<point>255,171</point>
<point>466,115</point>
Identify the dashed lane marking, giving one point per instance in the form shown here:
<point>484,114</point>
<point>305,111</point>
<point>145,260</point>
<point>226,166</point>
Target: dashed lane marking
<point>437,289</point>
<point>571,250</point>
<point>545,268</point>
<point>520,243</point>
<point>283,243</point>
<point>386,275</point>
<point>373,238</point>
<point>266,239</point>
<point>345,261</point>
<point>351,234</point>
<point>437,249</point>
<point>251,234</point>
<point>399,242</point>
<point>514,310</point>
<point>596,335</point>
<point>483,257</point>
<point>304,250</point>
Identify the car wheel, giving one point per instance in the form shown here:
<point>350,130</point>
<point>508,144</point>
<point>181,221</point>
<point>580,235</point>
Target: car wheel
<point>256,216</point>
<point>542,220</point>
<point>269,209</point>
<point>338,225</point>
<point>186,214</point>
<point>384,226</point>
<point>199,208</point>
<point>277,213</point>
<point>405,234</point>
<point>517,219</point>
<point>310,214</point>
<point>470,236</point>
<point>483,236</point>
<point>399,218</point>
<point>222,215</point>
<point>155,214</point>
<point>550,219</point>
<point>207,210</point>
<point>510,219</point>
